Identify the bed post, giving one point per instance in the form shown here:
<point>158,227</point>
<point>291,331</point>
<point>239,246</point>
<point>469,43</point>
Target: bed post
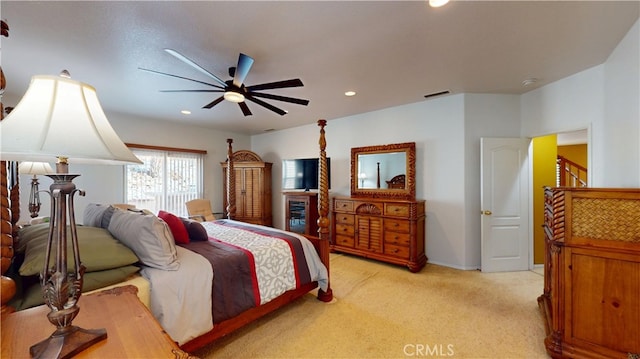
<point>231,182</point>
<point>323,212</point>
<point>10,213</point>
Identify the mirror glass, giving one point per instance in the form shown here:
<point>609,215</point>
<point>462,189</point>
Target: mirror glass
<point>383,171</point>
<point>377,169</point>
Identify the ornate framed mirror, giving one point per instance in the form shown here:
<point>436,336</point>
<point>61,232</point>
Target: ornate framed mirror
<point>386,171</point>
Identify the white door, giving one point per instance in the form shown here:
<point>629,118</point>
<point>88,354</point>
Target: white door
<point>504,178</point>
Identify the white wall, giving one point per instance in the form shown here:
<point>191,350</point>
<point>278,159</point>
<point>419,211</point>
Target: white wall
<point>437,128</point>
<point>606,99</point>
<point>447,133</point>
<point>485,116</point>
<point>619,160</point>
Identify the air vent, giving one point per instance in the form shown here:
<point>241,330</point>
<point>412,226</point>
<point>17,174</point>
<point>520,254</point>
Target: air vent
<point>437,94</point>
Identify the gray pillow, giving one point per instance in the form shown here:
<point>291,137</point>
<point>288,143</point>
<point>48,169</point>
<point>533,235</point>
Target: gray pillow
<point>106,217</point>
<point>148,236</point>
<point>93,213</point>
<point>196,231</point>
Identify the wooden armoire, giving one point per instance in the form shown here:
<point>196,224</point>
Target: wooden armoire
<point>252,188</point>
<point>591,299</point>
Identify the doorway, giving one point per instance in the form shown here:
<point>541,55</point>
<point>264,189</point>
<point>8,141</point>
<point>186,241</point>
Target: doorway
<point>573,146</point>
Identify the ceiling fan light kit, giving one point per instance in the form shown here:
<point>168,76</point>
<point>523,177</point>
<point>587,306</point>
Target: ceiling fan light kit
<point>234,90</point>
<point>233,96</point>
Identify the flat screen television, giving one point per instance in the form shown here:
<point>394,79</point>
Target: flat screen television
<point>302,173</point>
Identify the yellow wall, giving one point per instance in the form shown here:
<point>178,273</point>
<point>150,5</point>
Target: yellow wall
<point>545,152</point>
<point>574,153</point>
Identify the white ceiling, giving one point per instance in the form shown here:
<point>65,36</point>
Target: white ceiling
<point>391,53</point>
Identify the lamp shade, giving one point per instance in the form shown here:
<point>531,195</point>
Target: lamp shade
<point>34,168</point>
<point>60,117</point>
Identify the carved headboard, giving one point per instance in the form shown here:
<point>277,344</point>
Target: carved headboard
<point>396,182</point>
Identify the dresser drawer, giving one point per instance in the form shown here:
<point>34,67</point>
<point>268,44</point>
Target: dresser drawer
<point>342,218</point>
<point>344,241</point>
<point>396,251</point>
<point>396,225</point>
<point>345,229</point>
<point>343,205</point>
<point>396,238</point>
<point>396,209</point>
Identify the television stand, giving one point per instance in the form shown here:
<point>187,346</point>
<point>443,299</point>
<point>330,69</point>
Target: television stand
<point>301,212</point>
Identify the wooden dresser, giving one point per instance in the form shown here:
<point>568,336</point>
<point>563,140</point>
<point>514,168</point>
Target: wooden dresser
<point>591,299</point>
<point>389,230</point>
<point>252,188</point>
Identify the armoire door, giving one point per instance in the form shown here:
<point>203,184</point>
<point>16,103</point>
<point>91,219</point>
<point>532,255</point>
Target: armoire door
<point>248,193</point>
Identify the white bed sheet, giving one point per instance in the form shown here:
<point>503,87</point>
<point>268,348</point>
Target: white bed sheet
<point>181,299</point>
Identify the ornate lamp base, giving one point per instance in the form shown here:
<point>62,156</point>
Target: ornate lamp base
<point>61,288</point>
<point>68,343</point>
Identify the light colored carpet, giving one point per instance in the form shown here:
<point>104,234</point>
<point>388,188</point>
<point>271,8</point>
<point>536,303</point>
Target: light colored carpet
<point>384,311</point>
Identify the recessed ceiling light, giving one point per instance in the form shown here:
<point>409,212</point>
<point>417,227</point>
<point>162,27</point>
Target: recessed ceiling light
<point>350,93</point>
<point>529,82</point>
<point>437,3</point>
<point>185,112</point>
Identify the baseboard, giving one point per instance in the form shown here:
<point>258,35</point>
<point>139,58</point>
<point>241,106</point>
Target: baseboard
<point>453,266</point>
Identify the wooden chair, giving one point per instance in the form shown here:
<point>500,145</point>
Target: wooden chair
<point>200,210</point>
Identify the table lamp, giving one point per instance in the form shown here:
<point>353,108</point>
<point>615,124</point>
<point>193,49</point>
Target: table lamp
<point>362,176</point>
<point>35,169</point>
<point>61,119</point>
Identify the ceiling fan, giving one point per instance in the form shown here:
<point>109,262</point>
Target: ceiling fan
<point>234,90</point>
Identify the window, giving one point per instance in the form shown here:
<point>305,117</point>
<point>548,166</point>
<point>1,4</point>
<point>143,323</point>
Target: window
<point>165,181</point>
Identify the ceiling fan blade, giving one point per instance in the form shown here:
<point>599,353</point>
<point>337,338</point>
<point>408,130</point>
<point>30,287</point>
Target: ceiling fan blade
<point>191,63</point>
<point>180,77</point>
<point>244,108</point>
<point>276,85</point>
<point>191,90</point>
<point>298,101</point>
<point>214,102</point>
<point>244,65</point>
<point>266,105</point>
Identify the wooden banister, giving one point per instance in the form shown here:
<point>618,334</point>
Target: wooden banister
<point>570,174</point>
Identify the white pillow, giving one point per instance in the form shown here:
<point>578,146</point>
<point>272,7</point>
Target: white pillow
<point>148,236</point>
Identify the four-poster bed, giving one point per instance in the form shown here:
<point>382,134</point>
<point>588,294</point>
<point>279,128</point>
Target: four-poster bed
<point>321,243</point>
<point>221,328</point>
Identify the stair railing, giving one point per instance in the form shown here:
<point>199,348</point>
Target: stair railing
<point>570,174</point>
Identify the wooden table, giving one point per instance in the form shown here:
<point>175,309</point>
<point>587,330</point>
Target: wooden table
<point>132,332</point>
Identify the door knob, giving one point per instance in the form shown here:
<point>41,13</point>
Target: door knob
<point>486,213</point>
